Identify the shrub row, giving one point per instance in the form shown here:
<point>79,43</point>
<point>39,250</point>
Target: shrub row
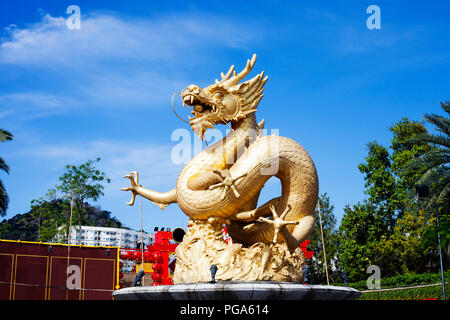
<point>404,280</point>
<point>434,292</point>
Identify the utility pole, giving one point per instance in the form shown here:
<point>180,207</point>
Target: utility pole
<point>422,191</point>
<point>323,243</point>
<point>440,253</point>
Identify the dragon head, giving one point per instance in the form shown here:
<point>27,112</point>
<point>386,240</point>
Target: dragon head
<point>224,101</point>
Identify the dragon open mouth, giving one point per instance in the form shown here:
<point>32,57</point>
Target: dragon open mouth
<point>200,106</point>
<point>205,113</point>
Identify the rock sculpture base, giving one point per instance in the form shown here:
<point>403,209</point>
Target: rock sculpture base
<point>203,245</point>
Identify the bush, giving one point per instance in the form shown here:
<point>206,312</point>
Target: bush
<point>413,279</point>
<point>405,280</point>
<point>434,292</point>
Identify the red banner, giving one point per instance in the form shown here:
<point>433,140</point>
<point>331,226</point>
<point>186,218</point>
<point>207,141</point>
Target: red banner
<point>50,271</point>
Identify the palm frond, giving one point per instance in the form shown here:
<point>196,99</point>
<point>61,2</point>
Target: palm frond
<point>428,177</point>
<point>4,166</point>
<point>439,180</point>
<point>446,106</point>
<point>436,139</point>
<point>440,122</point>
<point>5,135</point>
<point>433,159</point>
<point>3,200</point>
<point>436,158</point>
<point>445,194</point>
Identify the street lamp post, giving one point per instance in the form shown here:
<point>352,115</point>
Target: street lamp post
<point>422,190</point>
<point>440,254</point>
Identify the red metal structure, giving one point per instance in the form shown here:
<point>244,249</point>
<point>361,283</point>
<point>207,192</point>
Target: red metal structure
<point>158,254</point>
<point>51,271</point>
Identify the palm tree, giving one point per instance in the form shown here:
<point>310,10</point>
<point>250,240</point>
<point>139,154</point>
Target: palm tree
<point>437,161</point>
<point>4,136</point>
<point>436,180</point>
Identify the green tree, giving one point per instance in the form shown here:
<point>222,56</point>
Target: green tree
<point>4,199</point>
<point>436,176</point>
<point>49,214</point>
<point>81,183</point>
<point>317,263</point>
<point>403,251</point>
<point>359,233</point>
<point>405,150</point>
<point>38,212</point>
<point>393,241</point>
<point>364,224</point>
<point>381,185</point>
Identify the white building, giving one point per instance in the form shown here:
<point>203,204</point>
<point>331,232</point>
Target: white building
<point>104,236</point>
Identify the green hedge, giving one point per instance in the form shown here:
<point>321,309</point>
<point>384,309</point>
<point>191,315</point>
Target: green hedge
<point>408,294</point>
<point>406,280</point>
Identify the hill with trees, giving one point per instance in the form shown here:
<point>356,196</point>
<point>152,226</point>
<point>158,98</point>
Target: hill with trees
<point>39,224</point>
<point>53,212</point>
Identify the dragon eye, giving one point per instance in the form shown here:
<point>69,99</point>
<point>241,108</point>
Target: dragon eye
<point>218,95</point>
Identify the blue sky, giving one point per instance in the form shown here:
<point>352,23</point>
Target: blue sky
<point>104,90</point>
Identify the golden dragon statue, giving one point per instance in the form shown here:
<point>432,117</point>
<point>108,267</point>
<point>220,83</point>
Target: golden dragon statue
<point>221,186</point>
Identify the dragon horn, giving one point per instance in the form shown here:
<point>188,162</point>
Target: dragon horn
<point>238,77</point>
<point>225,77</point>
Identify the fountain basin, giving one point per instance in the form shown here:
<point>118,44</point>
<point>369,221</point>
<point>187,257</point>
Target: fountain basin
<point>257,290</point>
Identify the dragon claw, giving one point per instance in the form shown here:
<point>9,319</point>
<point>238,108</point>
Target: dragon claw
<point>217,185</point>
<point>134,179</point>
<point>227,181</point>
<point>278,222</point>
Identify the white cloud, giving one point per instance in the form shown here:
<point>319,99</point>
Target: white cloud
<point>105,36</point>
<point>112,61</point>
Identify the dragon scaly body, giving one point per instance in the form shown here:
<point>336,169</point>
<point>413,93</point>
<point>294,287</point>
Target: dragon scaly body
<point>225,179</point>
